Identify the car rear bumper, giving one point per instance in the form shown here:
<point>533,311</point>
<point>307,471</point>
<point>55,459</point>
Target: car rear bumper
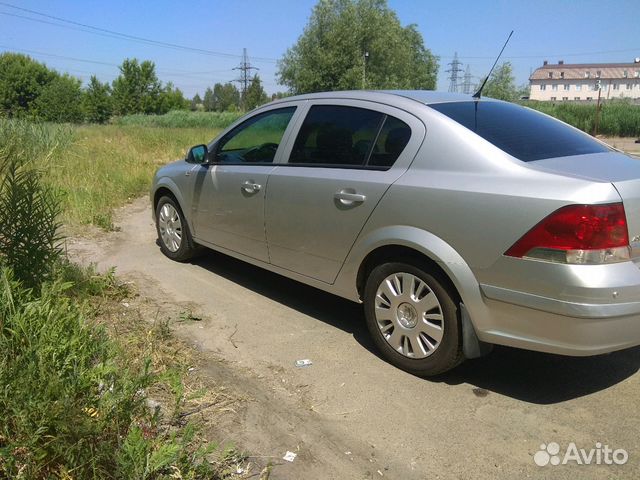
<point>580,313</point>
<point>562,307</point>
<point>552,325</point>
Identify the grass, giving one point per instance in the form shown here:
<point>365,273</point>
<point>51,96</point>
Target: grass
<point>91,393</point>
<point>617,118</point>
<point>107,165</point>
<point>181,119</point>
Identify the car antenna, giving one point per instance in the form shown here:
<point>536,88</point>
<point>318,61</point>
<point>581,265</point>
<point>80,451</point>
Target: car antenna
<point>479,92</point>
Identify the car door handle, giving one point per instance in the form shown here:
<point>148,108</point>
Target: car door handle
<point>251,187</point>
<point>349,198</point>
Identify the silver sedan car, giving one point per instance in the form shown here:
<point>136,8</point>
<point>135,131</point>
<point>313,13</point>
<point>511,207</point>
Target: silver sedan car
<point>459,223</point>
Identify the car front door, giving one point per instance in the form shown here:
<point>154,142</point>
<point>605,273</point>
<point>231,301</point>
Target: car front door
<point>230,189</point>
<point>342,161</point>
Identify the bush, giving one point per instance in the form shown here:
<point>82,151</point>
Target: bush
<point>21,82</point>
<point>60,101</point>
<point>96,101</point>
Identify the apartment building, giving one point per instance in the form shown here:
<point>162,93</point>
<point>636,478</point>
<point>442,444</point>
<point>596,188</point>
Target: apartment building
<point>580,82</point>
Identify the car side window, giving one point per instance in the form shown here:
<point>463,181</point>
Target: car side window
<point>336,136</point>
<point>392,139</point>
<point>256,140</point>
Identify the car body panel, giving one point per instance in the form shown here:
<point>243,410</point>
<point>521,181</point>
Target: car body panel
<point>227,215</point>
<point>309,230</point>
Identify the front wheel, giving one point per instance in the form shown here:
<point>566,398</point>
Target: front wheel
<point>413,318</point>
<point>173,231</point>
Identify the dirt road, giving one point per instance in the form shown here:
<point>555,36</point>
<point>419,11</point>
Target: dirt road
<point>351,415</point>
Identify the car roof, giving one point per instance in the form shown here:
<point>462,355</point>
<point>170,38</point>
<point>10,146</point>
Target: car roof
<point>425,97</point>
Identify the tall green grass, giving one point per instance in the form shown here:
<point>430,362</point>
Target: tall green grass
<point>108,165</point>
<point>29,205</point>
<point>617,119</point>
<point>181,119</point>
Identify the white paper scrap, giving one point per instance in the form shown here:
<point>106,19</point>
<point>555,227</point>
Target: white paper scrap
<point>289,456</point>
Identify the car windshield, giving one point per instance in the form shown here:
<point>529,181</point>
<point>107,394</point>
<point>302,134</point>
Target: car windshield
<point>521,132</point>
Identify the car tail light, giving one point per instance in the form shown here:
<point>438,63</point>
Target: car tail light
<point>578,234</point>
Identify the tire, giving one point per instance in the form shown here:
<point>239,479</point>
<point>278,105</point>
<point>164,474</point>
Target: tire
<point>413,317</point>
<point>173,231</point>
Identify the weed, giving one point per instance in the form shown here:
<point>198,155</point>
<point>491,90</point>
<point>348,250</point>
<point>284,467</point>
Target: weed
<point>189,317</point>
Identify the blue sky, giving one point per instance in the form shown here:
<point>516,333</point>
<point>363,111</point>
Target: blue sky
<point>579,31</point>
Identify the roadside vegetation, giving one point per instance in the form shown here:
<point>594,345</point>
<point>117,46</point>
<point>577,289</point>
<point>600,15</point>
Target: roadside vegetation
<point>104,166</point>
<point>181,119</point>
<point>80,388</point>
<point>617,118</point>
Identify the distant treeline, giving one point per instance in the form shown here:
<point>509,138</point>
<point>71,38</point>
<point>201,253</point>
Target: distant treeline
<point>30,89</point>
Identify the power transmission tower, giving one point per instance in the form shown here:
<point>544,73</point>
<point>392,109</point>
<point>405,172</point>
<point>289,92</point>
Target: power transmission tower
<point>466,83</point>
<point>245,74</point>
<point>456,68</point>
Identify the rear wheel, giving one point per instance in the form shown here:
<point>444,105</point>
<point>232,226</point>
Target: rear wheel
<point>173,231</point>
<point>412,315</point>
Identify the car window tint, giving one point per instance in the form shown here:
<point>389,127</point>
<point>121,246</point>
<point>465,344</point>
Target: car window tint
<point>392,139</point>
<point>521,132</point>
<point>336,135</point>
<point>256,140</point>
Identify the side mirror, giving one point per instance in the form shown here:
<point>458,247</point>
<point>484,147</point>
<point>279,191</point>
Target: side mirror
<point>197,154</point>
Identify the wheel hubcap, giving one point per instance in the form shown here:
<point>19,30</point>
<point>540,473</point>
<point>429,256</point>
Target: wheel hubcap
<point>409,315</point>
<point>170,227</point>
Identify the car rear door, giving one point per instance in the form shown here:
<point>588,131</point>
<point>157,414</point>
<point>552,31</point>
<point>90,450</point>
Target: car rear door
<point>341,161</point>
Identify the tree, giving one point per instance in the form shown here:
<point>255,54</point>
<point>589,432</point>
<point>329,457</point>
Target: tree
<point>227,97</point>
<point>96,101</point>
<point>221,98</point>
<point>255,94</point>
<point>196,102</point>
<point>209,101</point>
<point>171,98</point>
<point>22,80</point>
<point>279,95</point>
<point>352,44</point>
<point>501,85</point>
<point>60,100</point>
<point>137,88</point>
<point>523,91</point>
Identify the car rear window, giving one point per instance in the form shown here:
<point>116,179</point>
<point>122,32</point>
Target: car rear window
<point>521,132</point>
<point>344,136</point>
<point>336,135</point>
